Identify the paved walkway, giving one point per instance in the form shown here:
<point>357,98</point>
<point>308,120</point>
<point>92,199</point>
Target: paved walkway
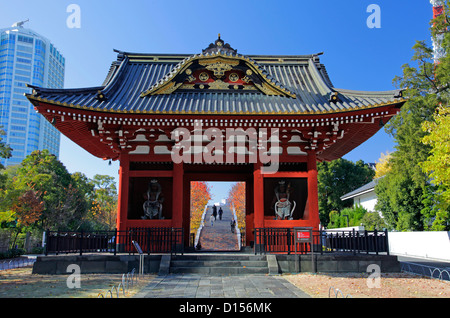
<point>218,237</point>
<point>199,286</point>
<point>424,261</point>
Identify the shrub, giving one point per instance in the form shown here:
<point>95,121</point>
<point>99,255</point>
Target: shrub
<point>11,253</point>
<point>339,219</point>
<point>372,221</point>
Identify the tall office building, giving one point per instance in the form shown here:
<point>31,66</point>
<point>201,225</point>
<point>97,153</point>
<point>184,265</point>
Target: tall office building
<point>27,58</point>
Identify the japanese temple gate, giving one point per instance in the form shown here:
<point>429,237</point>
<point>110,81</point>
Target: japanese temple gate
<point>218,116</point>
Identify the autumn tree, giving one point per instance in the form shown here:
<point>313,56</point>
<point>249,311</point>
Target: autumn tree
<point>236,199</point>
<point>28,208</point>
<point>382,166</point>
<point>200,196</point>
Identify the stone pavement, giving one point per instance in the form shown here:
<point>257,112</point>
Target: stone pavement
<point>218,237</point>
<point>199,286</point>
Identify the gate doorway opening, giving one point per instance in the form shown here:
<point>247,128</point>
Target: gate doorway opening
<point>217,215</point>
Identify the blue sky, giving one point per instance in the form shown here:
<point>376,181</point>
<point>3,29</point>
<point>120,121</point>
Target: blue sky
<point>356,57</point>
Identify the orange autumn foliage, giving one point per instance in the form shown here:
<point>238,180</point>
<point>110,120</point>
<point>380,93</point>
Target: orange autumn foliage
<point>200,196</point>
<point>28,208</point>
<point>236,199</point>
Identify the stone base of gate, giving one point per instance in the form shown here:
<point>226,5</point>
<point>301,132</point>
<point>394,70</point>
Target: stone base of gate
<point>336,263</point>
<point>95,264</point>
<point>281,263</point>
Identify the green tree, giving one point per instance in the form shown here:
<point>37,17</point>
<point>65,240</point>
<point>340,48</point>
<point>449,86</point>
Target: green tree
<point>400,201</point>
<point>373,221</point>
<point>7,216</point>
<point>5,150</point>
<point>103,211</point>
<point>437,165</point>
<point>337,178</point>
<point>5,153</point>
<point>44,174</point>
<point>406,196</point>
<point>84,196</point>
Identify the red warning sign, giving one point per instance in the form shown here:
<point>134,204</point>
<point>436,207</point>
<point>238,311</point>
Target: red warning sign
<point>303,234</point>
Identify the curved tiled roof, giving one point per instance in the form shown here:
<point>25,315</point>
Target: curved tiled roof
<point>132,75</point>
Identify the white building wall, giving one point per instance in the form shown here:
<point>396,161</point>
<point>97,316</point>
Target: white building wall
<point>433,245</point>
<point>366,200</point>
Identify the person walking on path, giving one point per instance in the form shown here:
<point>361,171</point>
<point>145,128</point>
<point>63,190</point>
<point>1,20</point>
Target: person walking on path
<point>233,225</point>
<point>220,213</point>
<point>211,219</point>
<point>215,212</point>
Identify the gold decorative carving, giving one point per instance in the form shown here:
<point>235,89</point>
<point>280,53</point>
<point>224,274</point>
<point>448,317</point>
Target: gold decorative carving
<point>167,89</point>
<point>219,65</point>
<point>266,89</point>
<point>209,61</point>
<point>187,86</point>
<point>246,79</point>
<point>219,69</point>
<point>233,77</point>
<point>219,84</point>
<point>203,76</point>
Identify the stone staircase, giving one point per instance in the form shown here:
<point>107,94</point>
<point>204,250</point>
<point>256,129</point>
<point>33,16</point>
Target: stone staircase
<point>219,254</point>
<point>218,236</point>
<point>219,264</point>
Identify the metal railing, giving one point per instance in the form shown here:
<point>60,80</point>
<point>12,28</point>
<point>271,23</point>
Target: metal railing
<point>151,240</point>
<point>356,241</point>
<point>426,270</point>
<point>128,281</point>
<point>281,240</point>
<point>80,242</point>
<point>336,292</point>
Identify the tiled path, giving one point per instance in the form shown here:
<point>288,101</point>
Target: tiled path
<point>218,237</point>
<point>199,286</point>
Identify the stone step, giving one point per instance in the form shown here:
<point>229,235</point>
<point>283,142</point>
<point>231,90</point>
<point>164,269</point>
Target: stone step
<point>218,237</point>
<point>219,270</point>
<point>219,257</point>
<point>194,263</point>
<point>234,264</point>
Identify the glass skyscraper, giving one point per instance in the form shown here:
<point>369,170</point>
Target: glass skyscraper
<point>27,58</point>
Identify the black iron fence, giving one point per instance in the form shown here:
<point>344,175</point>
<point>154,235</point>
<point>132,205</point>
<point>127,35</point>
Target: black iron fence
<point>151,240</point>
<point>79,242</point>
<point>282,240</point>
<point>170,240</point>
<point>357,242</point>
